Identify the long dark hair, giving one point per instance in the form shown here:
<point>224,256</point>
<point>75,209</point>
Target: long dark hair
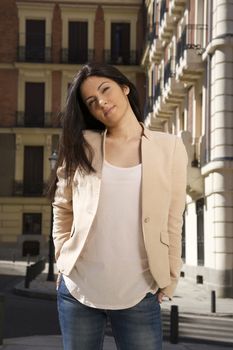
<point>73,150</point>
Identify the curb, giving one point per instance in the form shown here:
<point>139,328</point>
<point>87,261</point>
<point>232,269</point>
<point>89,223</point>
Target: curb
<point>32,293</point>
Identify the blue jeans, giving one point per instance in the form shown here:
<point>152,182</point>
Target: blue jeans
<point>83,327</point>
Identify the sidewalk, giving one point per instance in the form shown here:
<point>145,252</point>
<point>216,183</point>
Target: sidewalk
<point>192,300</point>
<point>53,342</point>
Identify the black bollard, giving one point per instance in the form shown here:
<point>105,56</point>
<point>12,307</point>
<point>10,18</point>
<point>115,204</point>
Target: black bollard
<point>1,317</point>
<point>213,301</point>
<point>174,324</point>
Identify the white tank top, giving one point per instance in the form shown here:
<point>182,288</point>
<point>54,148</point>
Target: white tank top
<point>112,271</point>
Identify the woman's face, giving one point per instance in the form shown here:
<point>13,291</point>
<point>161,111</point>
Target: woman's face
<point>106,100</point>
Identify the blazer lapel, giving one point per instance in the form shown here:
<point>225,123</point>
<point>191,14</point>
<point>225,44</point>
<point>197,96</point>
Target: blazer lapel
<point>153,179</point>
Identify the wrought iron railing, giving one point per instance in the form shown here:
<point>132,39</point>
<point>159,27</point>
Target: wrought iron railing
<point>22,189</point>
<point>33,120</point>
<point>33,52</point>
<point>151,33</point>
<point>192,37</point>
<point>163,10</point>
<point>122,58</point>
<point>157,92</point>
<point>168,72</point>
<point>67,56</point>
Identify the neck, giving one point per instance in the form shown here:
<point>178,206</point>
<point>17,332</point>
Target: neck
<point>127,130</point>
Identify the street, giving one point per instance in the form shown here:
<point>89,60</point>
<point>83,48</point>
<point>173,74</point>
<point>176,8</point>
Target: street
<point>32,317</point>
<point>26,316</point>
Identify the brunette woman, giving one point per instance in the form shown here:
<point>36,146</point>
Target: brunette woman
<point>118,205</point>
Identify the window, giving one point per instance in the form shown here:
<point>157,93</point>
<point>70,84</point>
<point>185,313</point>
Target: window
<point>200,230</point>
<point>32,223</point>
<point>78,42</point>
<point>34,28</point>
<point>120,43</point>
<point>35,41</point>
<point>34,104</point>
<point>33,171</point>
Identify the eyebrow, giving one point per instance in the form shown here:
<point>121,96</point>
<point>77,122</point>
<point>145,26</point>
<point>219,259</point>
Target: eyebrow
<point>104,82</point>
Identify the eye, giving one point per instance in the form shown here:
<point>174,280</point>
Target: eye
<point>105,88</point>
<point>90,103</point>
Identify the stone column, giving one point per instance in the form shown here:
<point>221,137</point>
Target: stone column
<point>219,171</point>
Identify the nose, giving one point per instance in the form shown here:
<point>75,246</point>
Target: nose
<point>102,101</point>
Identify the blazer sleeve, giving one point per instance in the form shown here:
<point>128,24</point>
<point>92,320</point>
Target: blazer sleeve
<point>175,215</point>
<point>62,211</point>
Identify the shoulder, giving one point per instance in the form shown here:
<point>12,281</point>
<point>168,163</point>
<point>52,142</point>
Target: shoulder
<point>162,137</point>
<point>92,135</point>
<point>168,142</point>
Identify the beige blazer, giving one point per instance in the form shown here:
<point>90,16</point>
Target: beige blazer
<point>164,164</point>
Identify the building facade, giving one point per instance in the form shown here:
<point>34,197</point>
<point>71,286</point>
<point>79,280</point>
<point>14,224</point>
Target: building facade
<point>188,57</point>
<point>44,43</point>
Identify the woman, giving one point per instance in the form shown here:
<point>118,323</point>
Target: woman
<point>118,205</point>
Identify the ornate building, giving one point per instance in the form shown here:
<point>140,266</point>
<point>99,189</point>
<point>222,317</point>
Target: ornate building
<point>44,43</point>
<point>189,62</point>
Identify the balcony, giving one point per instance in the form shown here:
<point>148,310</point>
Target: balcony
<point>151,33</point>
<point>176,8</point>
<point>77,57</point>
<point>163,10</point>
<point>157,92</point>
<point>123,58</point>
<point>167,24</point>
<point>21,189</point>
<point>34,54</point>
<point>33,120</point>
<point>34,47</point>
<point>161,109</point>
<point>148,42</point>
<point>174,91</point>
<point>156,51</point>
<point>189,49</point>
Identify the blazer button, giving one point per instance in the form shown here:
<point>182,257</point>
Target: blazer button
<point>147,219</point>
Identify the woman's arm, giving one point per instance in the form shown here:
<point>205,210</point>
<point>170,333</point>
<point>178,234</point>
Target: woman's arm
<point>62,211</point>
<point>175,217</point>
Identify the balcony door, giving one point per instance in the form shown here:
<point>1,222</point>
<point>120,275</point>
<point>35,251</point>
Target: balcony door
<point>35,40</point>
<point>34,104</point>
<point>78,42</point>
<point>33,170</point>
<point>120,43</point>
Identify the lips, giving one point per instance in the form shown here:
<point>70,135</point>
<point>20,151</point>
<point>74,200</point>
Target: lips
<point>107,111</point>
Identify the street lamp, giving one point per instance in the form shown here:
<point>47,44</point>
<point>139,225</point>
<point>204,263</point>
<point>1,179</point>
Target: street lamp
<point>50,277</point>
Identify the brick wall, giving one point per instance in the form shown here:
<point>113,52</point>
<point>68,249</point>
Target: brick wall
<point>99,34</point>
<point>56,35</point>
<point>8,97</point>
<point>56,97</point>
<point>8,31</point>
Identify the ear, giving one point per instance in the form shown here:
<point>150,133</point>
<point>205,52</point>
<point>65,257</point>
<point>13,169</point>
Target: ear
<point>126,90</point>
